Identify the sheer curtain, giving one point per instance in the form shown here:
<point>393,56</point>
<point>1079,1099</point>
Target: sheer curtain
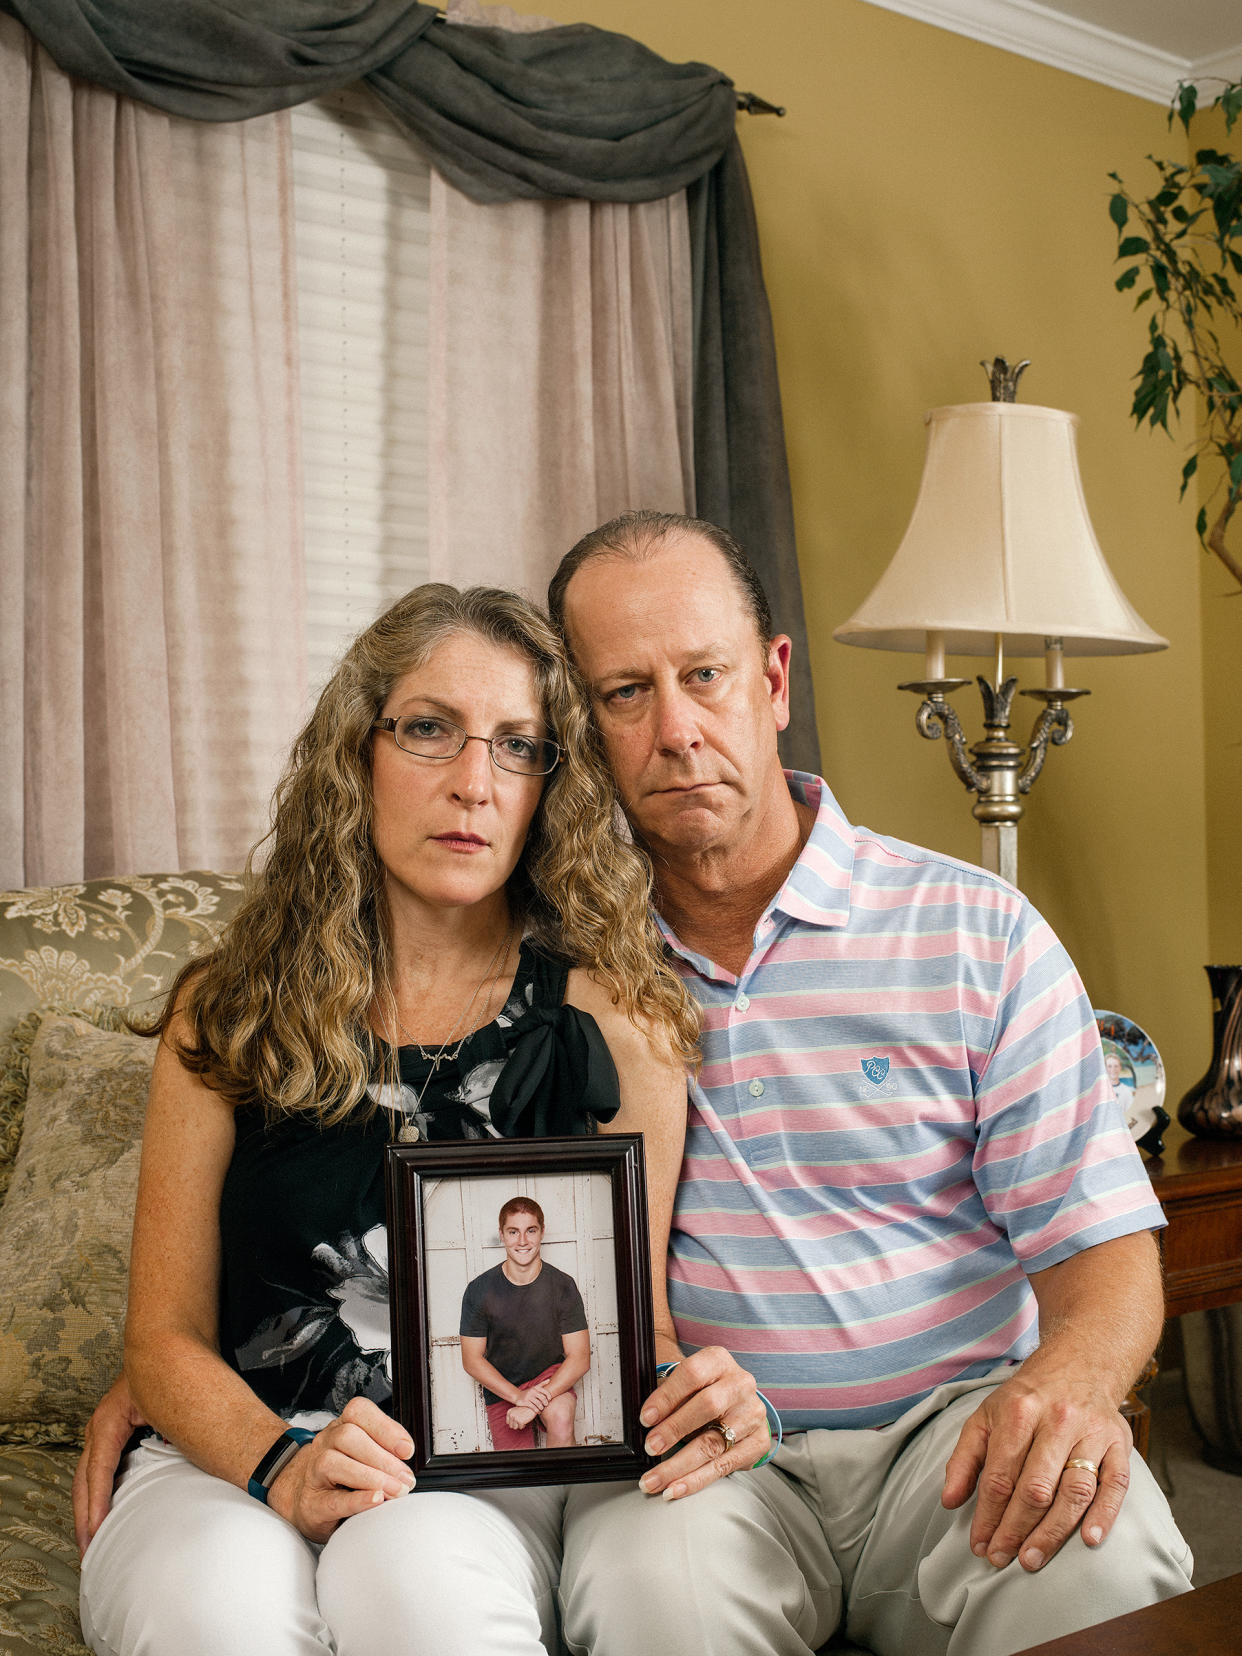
<point>152,657</point>
<point>560,369</point>
<point>560,378</point>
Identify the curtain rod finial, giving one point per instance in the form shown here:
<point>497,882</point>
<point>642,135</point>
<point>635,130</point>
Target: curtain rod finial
<point>752,104</point>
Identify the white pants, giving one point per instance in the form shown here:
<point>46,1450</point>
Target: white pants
<point>188,1565</point>
<point>846,1529</point>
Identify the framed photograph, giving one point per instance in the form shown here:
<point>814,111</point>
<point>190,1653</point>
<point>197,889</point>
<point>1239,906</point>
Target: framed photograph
<point>520,1289</point>
<point>1137,1076</point>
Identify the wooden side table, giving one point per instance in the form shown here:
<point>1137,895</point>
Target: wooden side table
<point>1202,1623</point>
<point>1199,1183</point>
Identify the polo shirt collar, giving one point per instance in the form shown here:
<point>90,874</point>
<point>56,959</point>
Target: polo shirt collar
<point>817,887</point>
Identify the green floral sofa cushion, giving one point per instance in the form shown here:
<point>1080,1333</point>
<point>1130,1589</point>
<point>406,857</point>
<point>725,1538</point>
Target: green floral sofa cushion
<point>65,1223</point>
<point>101,943</point>
<point>38,1560</point>
<point>105,942</point>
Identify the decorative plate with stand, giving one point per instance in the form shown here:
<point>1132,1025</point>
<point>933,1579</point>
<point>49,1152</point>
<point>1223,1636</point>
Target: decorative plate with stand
<point>1137,1075</point>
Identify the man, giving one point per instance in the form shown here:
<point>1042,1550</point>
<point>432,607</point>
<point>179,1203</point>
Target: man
<point>907,1204</point>
<point>524,1336</point>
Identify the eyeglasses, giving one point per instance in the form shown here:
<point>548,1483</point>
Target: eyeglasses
<point>435,738</point>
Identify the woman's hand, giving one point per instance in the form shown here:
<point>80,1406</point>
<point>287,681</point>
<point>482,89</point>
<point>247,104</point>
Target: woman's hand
<point>707,1387</point>
<point>356,1462</point>
<point>107,1432</point>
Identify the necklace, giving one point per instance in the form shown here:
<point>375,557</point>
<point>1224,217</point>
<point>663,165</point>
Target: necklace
<point>409,1131</point>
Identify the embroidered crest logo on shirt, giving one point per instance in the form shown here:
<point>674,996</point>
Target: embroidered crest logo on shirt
<point>875,1069</point>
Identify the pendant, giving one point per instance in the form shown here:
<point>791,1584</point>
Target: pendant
<point>408,1134</point>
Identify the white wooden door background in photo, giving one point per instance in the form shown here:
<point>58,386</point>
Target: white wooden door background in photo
<point>462,1241</point>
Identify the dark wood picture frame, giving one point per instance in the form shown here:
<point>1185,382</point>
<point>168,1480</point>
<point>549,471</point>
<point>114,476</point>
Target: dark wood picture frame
<point>409,1166</point>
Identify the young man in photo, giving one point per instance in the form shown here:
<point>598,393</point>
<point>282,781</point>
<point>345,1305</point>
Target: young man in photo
<point>524,1336</point>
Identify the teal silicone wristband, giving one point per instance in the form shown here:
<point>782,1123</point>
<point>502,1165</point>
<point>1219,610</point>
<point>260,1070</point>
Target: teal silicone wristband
<point>775,1430</point>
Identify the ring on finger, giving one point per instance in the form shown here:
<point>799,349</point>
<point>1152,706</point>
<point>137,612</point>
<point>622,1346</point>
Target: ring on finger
<point>726,1432</point>
<point>1083,1465</point>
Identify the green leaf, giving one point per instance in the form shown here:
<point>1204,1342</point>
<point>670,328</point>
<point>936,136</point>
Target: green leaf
<point>1235,473</point>
<point>1160,277</point>
<point>1127,279</point>
<point>1187,102</point>
<point>1132,247</point>
<point>1230,100</point>
<point>1201,522</point>
<point>1188,471</point>
<point>1118,210</point>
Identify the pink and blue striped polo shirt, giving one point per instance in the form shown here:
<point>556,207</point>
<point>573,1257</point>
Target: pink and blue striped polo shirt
<point>902,1110</point>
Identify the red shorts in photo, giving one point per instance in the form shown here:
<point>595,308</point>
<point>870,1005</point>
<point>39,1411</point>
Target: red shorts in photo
<point>503,1435</point>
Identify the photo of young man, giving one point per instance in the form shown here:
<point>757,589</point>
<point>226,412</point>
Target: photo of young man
<point>524,1336</point>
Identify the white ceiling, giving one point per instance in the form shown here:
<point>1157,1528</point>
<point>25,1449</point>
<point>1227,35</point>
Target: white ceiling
<point>1139,46</point>
<point>1191,29</point>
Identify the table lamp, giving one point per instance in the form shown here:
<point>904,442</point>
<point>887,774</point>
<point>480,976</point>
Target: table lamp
<point>999,556</point>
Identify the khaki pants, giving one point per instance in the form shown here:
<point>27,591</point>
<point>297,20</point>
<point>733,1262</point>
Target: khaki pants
<point>844,1530</point>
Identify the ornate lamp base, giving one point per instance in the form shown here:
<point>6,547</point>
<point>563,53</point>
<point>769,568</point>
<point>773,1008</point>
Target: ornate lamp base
<point>997,770</point>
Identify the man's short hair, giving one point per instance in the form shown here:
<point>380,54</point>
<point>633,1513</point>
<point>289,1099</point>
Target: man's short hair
<point>634,533</point>
<point>520,1204</point>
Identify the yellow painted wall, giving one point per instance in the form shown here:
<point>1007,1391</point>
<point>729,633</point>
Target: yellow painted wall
<point>1222,682</point>
<point>926,202</point>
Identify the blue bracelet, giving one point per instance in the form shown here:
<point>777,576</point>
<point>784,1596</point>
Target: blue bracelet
<point>274,1462</point>
<point>774,1421</point>
<point>775,1430</point>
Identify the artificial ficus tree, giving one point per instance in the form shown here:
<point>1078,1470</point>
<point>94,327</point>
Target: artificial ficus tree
<point>1182,248</point>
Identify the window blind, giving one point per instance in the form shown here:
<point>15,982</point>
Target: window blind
<point>361,206</point>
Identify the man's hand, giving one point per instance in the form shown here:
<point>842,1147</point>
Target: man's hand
<point>520,1416</point>
<point>356,1462</point>
<point>107,1432</point>
<point>1100,1315</point>
<point>538,1397</point>
<point>1015,1447</point>
<point>706,1387</point>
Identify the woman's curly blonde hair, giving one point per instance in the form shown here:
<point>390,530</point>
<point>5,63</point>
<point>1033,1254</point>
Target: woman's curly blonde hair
<point>280,1011</point>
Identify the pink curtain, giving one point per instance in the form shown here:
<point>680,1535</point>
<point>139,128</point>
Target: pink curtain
<point>560,371</point>
<point>151,653</point>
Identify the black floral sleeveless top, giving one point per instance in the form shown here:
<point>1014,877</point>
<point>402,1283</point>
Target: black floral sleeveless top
<point>304,1264</point>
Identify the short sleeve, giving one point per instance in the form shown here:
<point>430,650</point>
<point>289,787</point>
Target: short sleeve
<point>571,1311</point>
<point>1054,1163</point>
<point>473,1320</point>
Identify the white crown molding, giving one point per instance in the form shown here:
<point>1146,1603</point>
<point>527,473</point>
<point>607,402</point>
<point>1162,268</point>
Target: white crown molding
<point>1034,31</point>
<point>1220,66</point>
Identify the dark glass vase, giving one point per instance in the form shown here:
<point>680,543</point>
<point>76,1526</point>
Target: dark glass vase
<point>1213,1106</point>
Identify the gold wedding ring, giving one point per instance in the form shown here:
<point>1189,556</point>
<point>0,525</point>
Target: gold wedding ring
<point>1083,1466</point>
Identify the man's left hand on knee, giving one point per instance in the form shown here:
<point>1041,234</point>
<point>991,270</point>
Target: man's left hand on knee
<point>1046,1458</point>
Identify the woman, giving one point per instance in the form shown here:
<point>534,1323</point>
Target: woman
<point>442,847</point>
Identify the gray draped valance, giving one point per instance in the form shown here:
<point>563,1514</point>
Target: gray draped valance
<point>571,111</point>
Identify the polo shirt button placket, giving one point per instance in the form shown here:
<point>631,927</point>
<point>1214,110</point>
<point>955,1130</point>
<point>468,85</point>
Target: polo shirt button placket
<point>742,1002</point>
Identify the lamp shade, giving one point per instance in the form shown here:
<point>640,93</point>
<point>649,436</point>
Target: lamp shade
<point>1000,542</point>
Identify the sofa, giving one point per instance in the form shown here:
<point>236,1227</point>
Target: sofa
<point>73,1083</point>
